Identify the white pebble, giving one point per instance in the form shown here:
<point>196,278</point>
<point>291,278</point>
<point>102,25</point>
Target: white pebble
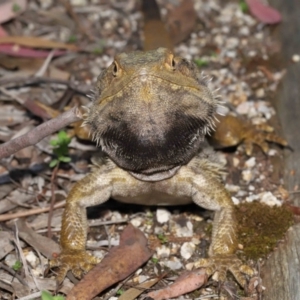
<point>244,108</point>
<point>187,249</point>
<point>162,215</point>
<point>260,93</point>
<point>252,198</point>
<point>32,259</point>
<point>136,222</point>
<point>269,199</point>
<point>250,163</point>
<point>296,58</point>
<point>244,31</point>
<point>235,161</point>
<point>247,175</point>
<point>232,43</point>
<point>173,264</point>
<point>163,251</point>
<point>235,200</point>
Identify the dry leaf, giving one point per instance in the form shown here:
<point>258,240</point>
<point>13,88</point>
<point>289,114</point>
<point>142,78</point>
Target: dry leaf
<point>181,21</point>
<point>185,283</point>
<point>118,264</point>
<point>36,42</point>
<point>264,13</point>
<point>19,51</point>
<point>133,293</point>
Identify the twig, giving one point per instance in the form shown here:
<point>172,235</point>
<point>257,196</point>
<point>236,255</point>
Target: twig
<point>22,256</point>
<point>82,89</point>
<point>13,273</point>
<point>34,211</point>
<point>45,65</point>
<point>37,134</point>
<point>53,176</point>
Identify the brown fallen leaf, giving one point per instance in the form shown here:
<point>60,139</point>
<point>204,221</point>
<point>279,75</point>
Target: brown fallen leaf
<point>181,21</point>
<point>36,42</point>
<point>41,243</point>
<point>185,283</point>
<point>41,110</point>
<point>118,264</point>
<point>133,293</point>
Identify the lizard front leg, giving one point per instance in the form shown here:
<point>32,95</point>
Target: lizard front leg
<point>93,189</point>
<point>209,192</point>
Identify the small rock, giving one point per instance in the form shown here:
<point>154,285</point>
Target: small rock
<point>162,215</point>
<point>269,199</point>
<point>252,198</point>
<point>189,266</point>
<point>136,222</point>
<point>187,249</point>
<point>260,93</point>
<point>244,108</point>
<point>250,163</point>
<point>244,31</point>
<point>235,161</point>
<point>32,259</point>
<point>173,264</point>
<point>251,188</point>
<point>247,175</point>
<point>235,200</point>
<point>296,58</point>
<point>10,260</point>
<point>232,43</point>
<point>272,152</point>
<point>232,188</point>
<point>163,251</point>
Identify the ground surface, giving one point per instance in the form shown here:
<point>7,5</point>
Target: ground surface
<point>236,51</point>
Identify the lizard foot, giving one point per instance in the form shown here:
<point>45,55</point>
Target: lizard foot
<point>78,261</point>
<point>221,264</point>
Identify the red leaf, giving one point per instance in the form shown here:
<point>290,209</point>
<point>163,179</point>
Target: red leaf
<point>15,50</point>
<point>264,13</point>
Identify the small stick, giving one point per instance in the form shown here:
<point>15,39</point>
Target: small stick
<point>38,133</point>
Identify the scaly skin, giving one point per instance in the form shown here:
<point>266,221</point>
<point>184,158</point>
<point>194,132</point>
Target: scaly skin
<point>150,115</point>
<point>198,181</point>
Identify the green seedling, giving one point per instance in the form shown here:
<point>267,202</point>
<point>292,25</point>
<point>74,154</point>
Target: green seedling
<point>17,266</point>
<point>201,62</point>
<point>60,149</point>
<point>16,8</point>
<point>244,6</point>
<point>163,239</point>
<point>73,38</point>
<point>47,296</point>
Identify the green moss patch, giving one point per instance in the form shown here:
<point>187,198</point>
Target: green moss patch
<point>260,227</point>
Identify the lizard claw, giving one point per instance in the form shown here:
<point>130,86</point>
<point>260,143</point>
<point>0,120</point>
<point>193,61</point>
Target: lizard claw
<point>78,261</point>
<point>218,266</point>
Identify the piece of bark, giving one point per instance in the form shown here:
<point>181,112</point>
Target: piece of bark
<point>185,283</point>
<point>281,274</point>
<point>118,264</point>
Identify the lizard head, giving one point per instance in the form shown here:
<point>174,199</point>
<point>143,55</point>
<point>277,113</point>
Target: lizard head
<point>151,112</point>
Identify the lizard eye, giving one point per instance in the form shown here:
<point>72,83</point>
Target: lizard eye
<point>173,63</point>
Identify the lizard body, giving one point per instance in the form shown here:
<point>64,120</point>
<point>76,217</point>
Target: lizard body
<point>150,116</point>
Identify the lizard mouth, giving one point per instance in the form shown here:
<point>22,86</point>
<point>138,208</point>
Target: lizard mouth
<point>155,175</point>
